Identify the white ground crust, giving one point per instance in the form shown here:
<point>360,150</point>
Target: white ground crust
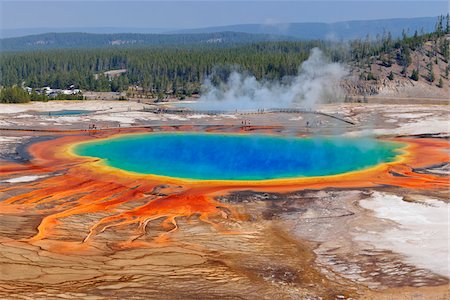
<point>24,178</point>
<point>406,115</point>
<point>423,126</point>
<point>422,233</point>
<point>435,125</point>
<point>6,139</point>
<point>403,119</point>
<point>114,106</point>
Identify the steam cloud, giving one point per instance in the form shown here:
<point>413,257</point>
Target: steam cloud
<point>317,82</point>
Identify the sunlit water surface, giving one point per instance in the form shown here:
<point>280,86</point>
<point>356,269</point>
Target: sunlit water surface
<point>207,156</point>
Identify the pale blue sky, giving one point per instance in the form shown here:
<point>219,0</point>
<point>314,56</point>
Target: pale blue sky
<point>191,14</point>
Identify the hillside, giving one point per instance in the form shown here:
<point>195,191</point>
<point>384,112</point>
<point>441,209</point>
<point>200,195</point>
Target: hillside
<point>419,71</point>
<point>20,32</point>
<point>78,40</point>
<point>331,31</point>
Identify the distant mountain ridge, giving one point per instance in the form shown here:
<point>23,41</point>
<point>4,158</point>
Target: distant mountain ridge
<point>332,31</point>
<point>222,36</point>
<point>21,32</point>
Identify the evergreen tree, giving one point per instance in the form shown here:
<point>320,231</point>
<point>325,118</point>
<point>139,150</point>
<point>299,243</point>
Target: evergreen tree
<point>431,76</point>
<point>415,75</point>
<point>447,21</point>
<point>444,49</point>
<point>404,57</point>
<point>439,29</point>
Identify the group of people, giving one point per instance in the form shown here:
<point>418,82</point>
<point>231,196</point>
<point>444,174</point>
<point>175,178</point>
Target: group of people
<point>245,123</point>
<point>92,129</point>
<point>314,123</point>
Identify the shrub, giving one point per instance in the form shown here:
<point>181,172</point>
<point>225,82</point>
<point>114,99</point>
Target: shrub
<point>391,76</point>
<point>14,94</point>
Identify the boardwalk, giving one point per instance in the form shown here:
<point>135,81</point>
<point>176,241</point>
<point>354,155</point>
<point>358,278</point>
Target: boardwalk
<point>259,111</point>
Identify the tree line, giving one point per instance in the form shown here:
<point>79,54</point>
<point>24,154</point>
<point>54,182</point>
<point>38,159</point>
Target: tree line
<point>16,94</point>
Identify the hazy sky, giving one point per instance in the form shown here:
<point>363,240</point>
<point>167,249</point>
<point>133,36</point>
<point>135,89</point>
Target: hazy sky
<point>191,14</point>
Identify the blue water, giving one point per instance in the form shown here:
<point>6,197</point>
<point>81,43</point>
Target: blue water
<point>238,157</point>
<point>61,113</point>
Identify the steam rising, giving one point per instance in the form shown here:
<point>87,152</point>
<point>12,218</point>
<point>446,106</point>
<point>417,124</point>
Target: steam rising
<point>317,82</point>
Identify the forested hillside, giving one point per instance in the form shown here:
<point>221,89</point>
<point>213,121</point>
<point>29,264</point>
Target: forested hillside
<point>413,66</point>
<point>181,70</point>
<point>78,40</point>
<point>158,69</point>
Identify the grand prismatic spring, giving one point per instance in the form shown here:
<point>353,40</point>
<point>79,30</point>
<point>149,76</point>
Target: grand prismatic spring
<point>238,157</point>
<point>98,175</point>
<point>167,197</point>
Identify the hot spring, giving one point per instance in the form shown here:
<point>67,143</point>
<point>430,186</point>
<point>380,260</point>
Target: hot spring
<point>64,113</point>
<point>208,156</point>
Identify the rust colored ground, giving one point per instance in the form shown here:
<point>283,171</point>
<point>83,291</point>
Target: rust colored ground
<point>117,199</point>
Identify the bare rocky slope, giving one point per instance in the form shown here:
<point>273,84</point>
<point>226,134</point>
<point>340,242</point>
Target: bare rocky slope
<point>384,75</point>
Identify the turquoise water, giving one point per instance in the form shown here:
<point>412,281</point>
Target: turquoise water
<point>61,113</point>
<point>238,157</point>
